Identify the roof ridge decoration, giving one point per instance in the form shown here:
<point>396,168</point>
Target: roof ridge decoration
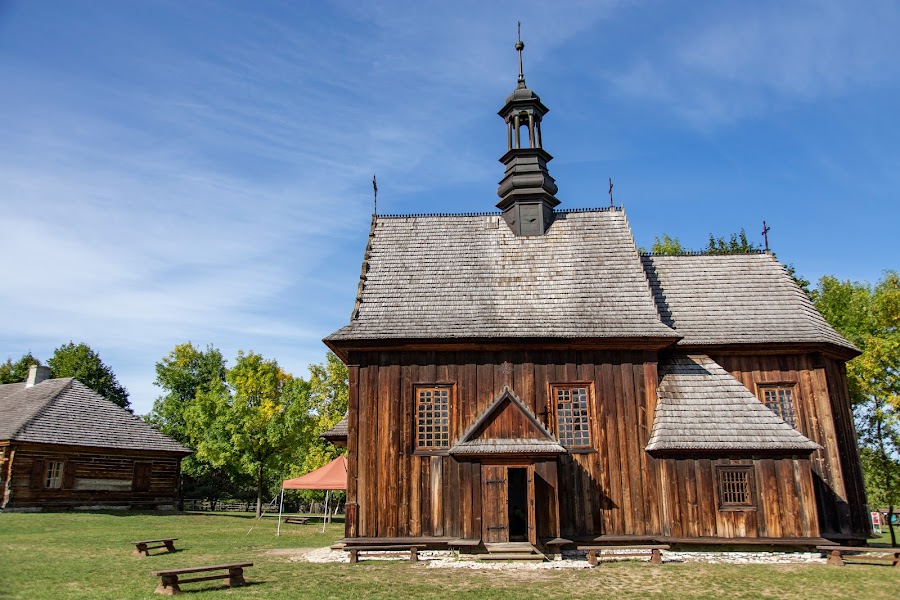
<point>549,440</point>
<point>563,211</point>
<point>364,270</point>
<point>702,408</point>
<point>704,253</point>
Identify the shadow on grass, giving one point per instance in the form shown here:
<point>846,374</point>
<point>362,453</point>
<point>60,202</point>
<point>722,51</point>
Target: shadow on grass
<point>218,588</point>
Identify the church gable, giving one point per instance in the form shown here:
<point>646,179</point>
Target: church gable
<point>507,426</point>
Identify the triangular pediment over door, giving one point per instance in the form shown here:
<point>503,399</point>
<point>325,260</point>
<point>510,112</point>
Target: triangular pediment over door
<point>506,428</point>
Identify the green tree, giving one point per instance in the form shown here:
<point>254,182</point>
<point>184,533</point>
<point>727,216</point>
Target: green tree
<point>252,421</point>
<point>182,374</point>
<point>17,372</point>
<point>82,363</point>
<point>667,246</point>
<point>870,318</point>
<point>736,244</point>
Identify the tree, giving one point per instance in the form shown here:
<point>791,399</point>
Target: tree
<point>250,422</point>
<point>736,244</point>
<point>182,374</point>
<point>870,318</point>
<point>667,246</point>
<point>82,363</point>
<point>17,372</point>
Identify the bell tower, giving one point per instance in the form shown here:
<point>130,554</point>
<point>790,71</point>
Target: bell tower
<point>526,190</point>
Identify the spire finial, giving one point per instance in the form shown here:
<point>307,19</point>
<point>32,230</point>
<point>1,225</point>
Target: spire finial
<point>520,45</point>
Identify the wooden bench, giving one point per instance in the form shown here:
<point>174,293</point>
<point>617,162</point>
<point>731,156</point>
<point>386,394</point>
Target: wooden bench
<point>143,548</point>
<point>836,554</point>
<point>596,552</point>
<point>355,550</point>
<point>169,580</point>
<point>297,520</point>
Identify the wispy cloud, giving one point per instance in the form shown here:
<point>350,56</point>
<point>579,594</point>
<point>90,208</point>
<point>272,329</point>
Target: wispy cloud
<point>734,60</point>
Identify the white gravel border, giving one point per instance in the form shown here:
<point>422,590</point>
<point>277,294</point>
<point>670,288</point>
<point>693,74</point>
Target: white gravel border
<point>569,560</point>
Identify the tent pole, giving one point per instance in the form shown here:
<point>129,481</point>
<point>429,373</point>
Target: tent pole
<point>280,509</point>
<point>325,516</point>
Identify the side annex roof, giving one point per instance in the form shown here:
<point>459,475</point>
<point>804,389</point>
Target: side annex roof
<point>702,407</point>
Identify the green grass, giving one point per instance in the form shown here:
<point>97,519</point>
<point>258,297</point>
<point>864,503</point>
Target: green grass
<point>67,555</point>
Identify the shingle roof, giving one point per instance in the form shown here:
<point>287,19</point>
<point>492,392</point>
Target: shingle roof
<point>702,407</point>
<point>468,276</point>
<point>340,429</point>
<point>735,299</point>
<point>65,411</point>
<point>507,446</point>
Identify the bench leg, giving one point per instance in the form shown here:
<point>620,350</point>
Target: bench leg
<point>414,555</point>
<point>141,550</point>
<point>170,546</point>
<point>834,558</point>
<point>236,577</point>
<point>354,556</point>
<point>897,560</point>
<point>656,556</point>
<point>592,557</point>
<point>168,585</point>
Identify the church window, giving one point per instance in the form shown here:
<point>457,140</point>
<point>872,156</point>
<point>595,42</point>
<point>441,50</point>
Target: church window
<point>779,399</point>
<point>735,487</point>
<point>433,418</point>
<point>573,423</point>
<point>54,475</point>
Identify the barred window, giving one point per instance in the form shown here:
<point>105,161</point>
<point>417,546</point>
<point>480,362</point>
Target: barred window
<point>433,418</point>
<point>735,487</point>
<point>779,399</point>
<point>54,475</point>
<point>572,416</point>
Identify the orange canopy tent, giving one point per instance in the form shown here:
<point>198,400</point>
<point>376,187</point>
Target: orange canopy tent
<point>332,476</point>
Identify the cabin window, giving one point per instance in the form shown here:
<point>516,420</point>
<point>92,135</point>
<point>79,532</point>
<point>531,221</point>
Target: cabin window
<point>54,475</point>
<point>573,415</point>
<point>433,418</point>
<point>780,400</point>
<point>735,487</point>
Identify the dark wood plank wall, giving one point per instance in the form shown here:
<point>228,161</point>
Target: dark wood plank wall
<point>81,465</point>
<point>614,489</point>
<point>785,505</point>
<point>822,412</point>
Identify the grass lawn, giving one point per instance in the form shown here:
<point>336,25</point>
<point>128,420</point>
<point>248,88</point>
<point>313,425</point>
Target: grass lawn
<point>68,555</point>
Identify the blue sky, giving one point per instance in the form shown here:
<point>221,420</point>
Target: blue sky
<point>201,171</point>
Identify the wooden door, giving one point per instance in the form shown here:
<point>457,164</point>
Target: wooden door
<point>494,504</point>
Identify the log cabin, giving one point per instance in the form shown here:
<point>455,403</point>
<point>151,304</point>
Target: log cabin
<point>65,447</point>
<point>529,375</point>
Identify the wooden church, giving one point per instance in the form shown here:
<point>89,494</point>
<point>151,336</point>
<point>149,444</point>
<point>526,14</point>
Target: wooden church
<point>528,375</point>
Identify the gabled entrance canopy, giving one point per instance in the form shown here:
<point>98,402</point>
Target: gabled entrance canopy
<point>507,427</point>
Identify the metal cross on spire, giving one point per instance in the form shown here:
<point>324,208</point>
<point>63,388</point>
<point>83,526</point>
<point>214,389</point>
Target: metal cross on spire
<point>520,45</point>
<point>765,233</point>
<point>375,191</point>
<point>610,192</point>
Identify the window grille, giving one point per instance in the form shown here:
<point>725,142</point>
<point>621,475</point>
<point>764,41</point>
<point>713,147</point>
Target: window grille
<point>433,418</point>
<point>735,487</point>
<point>573,417</point>
<point>54,475</point>
<point>780,400</point>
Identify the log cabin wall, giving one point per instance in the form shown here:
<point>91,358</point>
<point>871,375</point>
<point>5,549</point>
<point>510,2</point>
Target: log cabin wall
<point>395,492</point>
<point>92,477</point>
<point>823,414</point>
<point>783,499</point>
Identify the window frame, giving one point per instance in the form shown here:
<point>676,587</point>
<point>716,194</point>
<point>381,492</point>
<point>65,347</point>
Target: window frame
<point>721,493</point>
<point>790,386</point>
<point>588,386</point>
<point>53,474</point>
<point>451,394</point>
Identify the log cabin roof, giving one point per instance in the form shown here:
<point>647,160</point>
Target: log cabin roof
<point>735,299</point>
<point>338,432</point>
<point>465,276</point>
<point>702,407</point>
<point>65,411</point>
